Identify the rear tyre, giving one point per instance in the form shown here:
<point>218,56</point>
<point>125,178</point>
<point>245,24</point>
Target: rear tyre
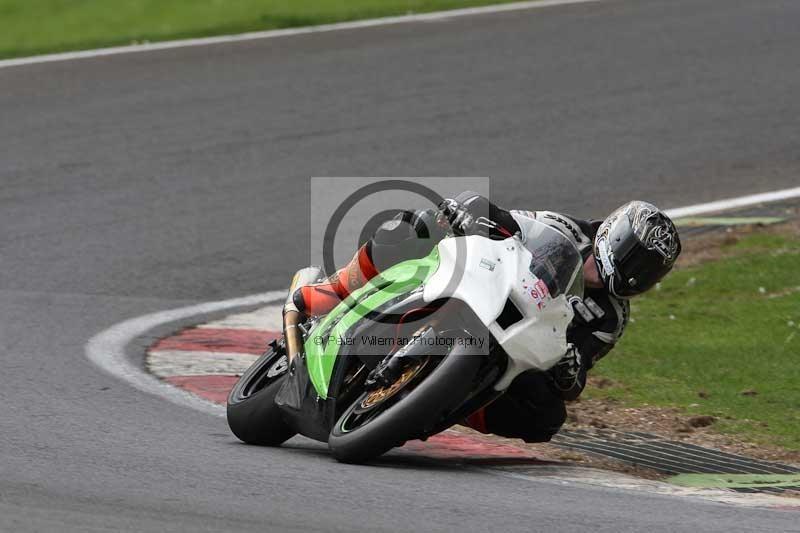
<point>362,433</point>
<point>252,414</point>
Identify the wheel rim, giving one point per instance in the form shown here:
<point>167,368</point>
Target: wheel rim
<point>371,404</point>
<point>265,375</point>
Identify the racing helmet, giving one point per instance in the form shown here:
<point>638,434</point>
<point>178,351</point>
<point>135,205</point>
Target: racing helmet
<point>635,247</point>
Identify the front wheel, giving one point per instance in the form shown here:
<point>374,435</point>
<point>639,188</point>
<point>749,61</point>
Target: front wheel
<point>252,414</point>
<point>384,418</point>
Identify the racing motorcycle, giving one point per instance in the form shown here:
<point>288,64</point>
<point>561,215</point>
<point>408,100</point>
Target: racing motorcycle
<point>417,349</point>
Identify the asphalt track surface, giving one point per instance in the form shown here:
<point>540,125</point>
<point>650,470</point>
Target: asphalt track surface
<point>142,182</point>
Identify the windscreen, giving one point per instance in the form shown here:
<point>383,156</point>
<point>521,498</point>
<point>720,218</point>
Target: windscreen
<point>556,260</point>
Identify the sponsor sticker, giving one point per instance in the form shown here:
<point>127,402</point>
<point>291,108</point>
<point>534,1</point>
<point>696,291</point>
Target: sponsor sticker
<point>540,293</point>
<point>596,310</point>
<point>605,258</point>
<point>581,309</point>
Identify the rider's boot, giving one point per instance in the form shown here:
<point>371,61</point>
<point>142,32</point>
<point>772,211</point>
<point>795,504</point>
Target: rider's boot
<point>320,298</point>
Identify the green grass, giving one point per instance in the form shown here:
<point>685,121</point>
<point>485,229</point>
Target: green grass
<point>723,327</point>
<point>30,27</point>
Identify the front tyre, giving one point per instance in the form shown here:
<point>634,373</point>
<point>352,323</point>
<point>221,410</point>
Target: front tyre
<point>371,426</point>
<point>252,414</point>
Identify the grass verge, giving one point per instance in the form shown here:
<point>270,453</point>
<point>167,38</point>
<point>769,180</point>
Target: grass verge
<point>29,27</point>
<point>720,338</point>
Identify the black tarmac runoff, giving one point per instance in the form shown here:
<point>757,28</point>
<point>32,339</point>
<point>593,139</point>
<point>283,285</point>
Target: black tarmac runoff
<point>135,183</point>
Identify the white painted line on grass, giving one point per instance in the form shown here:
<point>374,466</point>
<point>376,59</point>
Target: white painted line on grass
<point>733,203</point>
<point>107,348</point>
<point>270,34</point>
<point>564,474</point>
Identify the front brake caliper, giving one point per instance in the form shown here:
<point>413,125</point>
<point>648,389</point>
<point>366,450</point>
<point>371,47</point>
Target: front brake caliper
<point>422,344</point>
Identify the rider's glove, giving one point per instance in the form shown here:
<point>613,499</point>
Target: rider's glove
<point>567,372</point>
<point>457,216</point>
<point>463,222</point>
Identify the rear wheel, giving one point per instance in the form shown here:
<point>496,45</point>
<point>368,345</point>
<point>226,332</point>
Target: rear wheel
<point>384,418</point>
<point>252,414</point>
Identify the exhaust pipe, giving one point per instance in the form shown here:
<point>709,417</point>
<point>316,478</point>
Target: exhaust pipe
<point>291,315</point>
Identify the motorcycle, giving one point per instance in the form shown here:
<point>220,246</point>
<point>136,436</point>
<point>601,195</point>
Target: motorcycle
<point>417,349</point>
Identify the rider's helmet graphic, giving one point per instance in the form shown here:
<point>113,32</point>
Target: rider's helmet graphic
<point>635,247</point>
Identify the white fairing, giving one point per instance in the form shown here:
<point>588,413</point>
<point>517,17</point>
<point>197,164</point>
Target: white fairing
<point>484,274</point>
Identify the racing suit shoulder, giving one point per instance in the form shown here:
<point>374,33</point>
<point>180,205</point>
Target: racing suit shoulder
<point>580,232</point>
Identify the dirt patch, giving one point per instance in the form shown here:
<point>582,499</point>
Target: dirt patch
<point>670,423</point>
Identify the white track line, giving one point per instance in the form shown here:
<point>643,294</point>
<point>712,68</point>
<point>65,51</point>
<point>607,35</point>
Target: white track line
<point>264,319</point>
<point>107,348</point>
<point>251,36</point>
<point>733,203</point>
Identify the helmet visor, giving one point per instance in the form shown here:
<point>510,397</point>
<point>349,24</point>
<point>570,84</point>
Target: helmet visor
<point>638,270</point>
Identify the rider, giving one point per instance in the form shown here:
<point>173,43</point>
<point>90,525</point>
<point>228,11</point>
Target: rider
<point>624,255</point>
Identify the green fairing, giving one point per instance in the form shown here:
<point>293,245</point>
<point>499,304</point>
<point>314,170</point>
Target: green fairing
<point>400,279</point>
